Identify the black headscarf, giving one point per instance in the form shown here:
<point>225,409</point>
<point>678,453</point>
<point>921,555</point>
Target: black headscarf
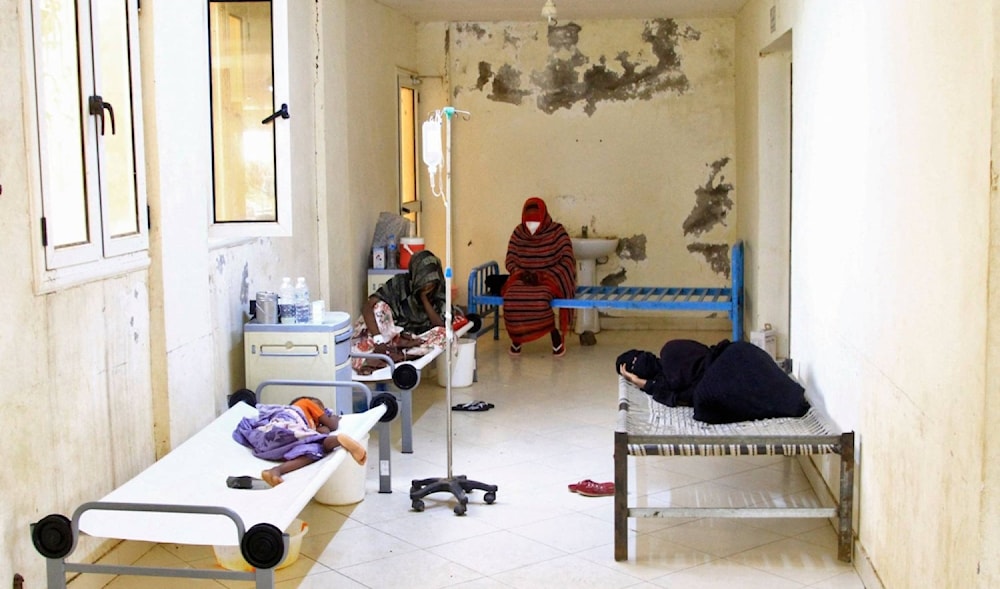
<point>401,292</point>
<point>671,378</point>
<point>639,362</point>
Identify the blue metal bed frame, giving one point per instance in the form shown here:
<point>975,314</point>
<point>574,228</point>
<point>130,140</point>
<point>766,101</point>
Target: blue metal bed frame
<point>638,298</point>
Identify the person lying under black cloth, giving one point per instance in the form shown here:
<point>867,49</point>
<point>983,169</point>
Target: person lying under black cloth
<point>725,383</point>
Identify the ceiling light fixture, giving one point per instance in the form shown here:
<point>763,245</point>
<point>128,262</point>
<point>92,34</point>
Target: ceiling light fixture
<point>549,12</point>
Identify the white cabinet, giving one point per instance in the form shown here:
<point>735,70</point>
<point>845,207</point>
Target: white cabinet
<point>310,351</point>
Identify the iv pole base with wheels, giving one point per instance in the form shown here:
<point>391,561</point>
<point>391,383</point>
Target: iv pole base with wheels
<point>456,485</point>
<point>459,486</point>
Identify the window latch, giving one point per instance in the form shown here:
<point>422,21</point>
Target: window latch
<point>281,112</point>
<point>97,107</point>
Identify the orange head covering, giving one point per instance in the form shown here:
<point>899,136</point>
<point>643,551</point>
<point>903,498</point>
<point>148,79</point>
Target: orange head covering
<point>313,409</point>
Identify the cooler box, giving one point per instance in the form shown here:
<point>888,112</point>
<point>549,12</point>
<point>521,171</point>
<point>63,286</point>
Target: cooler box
<point>408,247</point>
<point>308,351</point>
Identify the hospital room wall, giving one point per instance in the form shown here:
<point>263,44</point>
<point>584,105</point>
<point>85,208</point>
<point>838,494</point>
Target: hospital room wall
<point>101,377</point>
<point>75,361</point>
<point>990,523</point>
<point>764,179</point>
<point>363,46</point>
<point>890,265</point>
<point>201,285</point>
<point>629,159</point>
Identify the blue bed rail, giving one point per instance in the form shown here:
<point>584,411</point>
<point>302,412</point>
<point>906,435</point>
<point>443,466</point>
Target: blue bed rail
<point>637,298</point>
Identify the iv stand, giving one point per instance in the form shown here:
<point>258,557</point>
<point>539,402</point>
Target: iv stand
<point>456,485</point>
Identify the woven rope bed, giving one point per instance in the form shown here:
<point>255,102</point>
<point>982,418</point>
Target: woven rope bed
<point>647,428</point>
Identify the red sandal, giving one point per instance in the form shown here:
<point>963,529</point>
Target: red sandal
<point>574,487</point>
<point>589,488</point>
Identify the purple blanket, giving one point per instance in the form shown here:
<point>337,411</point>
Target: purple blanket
<point>279,432</point>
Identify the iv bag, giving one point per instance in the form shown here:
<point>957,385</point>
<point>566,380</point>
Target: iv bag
<point>431,132</point>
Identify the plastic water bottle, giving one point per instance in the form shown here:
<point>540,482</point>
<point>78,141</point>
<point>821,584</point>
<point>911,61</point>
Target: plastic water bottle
<point>391,254</point>
<point>303,305</point>
<point>286,301</point>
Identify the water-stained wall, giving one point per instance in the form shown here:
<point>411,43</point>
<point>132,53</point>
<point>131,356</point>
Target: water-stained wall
<point>623,127</point>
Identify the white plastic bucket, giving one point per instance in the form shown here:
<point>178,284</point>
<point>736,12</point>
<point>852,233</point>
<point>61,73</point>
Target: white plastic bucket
<point>346,485</point>
<point>408,247</point>
<point>463,364</point>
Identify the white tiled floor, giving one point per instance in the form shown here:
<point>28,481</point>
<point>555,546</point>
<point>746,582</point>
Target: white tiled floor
<point>552,425</point>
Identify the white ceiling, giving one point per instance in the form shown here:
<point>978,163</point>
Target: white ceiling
<point>527,10</point>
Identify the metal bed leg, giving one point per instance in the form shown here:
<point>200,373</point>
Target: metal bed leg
<point>384,458</point>
<point>407,420</point>
<point>621,496</point>
<point>55,573</point>
<point>845,510</point>
<point>736,290</point>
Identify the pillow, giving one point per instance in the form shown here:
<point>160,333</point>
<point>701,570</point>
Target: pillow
<point>744,383</point>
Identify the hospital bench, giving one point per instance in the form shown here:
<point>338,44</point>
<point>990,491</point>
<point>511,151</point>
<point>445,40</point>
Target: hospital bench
<point>647,428</point>
<point>727,299</point>
<point>183,498</point>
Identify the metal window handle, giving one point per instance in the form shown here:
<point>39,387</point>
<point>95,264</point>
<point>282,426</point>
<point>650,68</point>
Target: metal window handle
<point>281,112</point>
<point>97,107</point>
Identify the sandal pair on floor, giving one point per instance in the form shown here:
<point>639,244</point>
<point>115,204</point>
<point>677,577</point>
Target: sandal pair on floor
<point>473,406</point>
<point>558,349</point>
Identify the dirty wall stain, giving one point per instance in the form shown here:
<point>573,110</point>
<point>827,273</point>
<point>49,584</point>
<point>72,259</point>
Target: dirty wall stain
<point>485,74</point>
<point>712,202</point>
<point>566,81</point>
<point>245,285</point>
<point>716,254</point>
<point>507,86</point>
<point>632,248</point>
<point>614,279</point>
<point>477,30</point>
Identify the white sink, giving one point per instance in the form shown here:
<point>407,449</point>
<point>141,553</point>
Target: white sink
<point>591,248</point>
<point>587,251</point>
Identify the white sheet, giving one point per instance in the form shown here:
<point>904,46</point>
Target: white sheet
<point>195,473</point>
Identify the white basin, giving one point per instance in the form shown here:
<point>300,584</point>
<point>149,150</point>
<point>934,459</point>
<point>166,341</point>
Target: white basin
<point>587,251</point>
<point>591,248</point>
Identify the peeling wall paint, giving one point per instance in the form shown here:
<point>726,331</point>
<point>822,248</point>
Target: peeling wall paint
<point>632,248</point>
<point>504,85</point>
<point>615,278</point>
<point>245,286</point>
<point>716,254</point>
<point>565,79</point>
<point>614,123</point>
<point>712,202</point>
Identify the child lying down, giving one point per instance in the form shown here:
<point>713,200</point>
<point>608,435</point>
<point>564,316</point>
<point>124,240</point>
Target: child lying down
<point>297,434</point>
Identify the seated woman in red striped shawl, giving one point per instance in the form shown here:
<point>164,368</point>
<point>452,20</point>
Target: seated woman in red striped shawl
<point>542,267</point>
